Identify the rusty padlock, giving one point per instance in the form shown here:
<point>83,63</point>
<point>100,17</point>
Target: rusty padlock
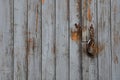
<point>91,45</point>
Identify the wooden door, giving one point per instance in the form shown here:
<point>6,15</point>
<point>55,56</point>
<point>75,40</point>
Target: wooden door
<point>42,39</point>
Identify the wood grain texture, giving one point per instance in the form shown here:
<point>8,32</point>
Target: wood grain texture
<point>75,45</point>
<point>62,42</point>
<point>34,54</point>
<point>104,59</point>
<point>48,40</point>
<point>115,30</point>
<point>6,40</point>
<point>20,40</point>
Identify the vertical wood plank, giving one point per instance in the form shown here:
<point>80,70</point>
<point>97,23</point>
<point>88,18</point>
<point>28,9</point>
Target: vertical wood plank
<point>85,58</point>
<point>20,40</point>
<point>92,20</point>
<point>115,30</point>
<point>62,42</point>
<point>104,59</point>
<point>89,17</point>
<point>34,40</point>
<point>75,40</point>
<point>6,40</point>
<point>48,40</point>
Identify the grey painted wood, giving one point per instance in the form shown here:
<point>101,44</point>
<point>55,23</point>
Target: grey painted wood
<point>48,40</point>
<point>20,40</point>
<point>75,42</point>
<point>34,40</point>
<point>6,40</point>
<point>62,42</point>
<point>85,58</point>
<point>89,17</point>
<point>84,20</point>
<point>92,20</point>
<point>115,30</point>
<point>104,58</point>
<point>38,39</point>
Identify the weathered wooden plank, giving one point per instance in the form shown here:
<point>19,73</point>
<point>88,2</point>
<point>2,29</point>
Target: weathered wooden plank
<point>62,42</point>
<point>92,20</point>
<point>115,30</point>
<point>104,58</point>
<point>6,40</point>
<point>85,58</point>
<point>20,40</point>
<point>89,17</point>
<point>75,40</point>
<point>48,40</point>
<point>34,40</point>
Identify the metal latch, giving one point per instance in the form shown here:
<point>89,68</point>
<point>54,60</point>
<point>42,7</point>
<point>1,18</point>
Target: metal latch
<point>85,35</point>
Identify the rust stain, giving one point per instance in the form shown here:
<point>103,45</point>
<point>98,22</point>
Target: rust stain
<point>34,45</point>
<point>28,33</point>
<point>115,59</point>
<point>30,40</point>
<point>37,19</point>
<point>89,17</point>
<point>85,4</point>
<point>54,49</point>
<point>31,43</point>
<point>76,34</point>
<point>89,1</point>
<point>43,1</point>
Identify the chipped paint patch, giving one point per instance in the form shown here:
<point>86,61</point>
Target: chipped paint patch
<point>89,17</point>
<point>76,34</point>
